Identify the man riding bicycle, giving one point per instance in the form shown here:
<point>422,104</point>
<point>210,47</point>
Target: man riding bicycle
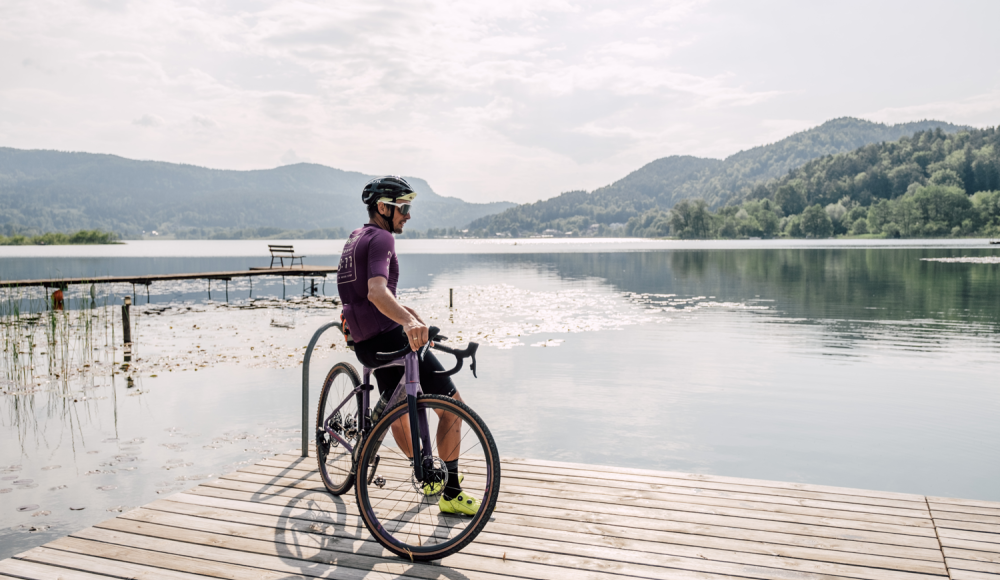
<point>367,279</point>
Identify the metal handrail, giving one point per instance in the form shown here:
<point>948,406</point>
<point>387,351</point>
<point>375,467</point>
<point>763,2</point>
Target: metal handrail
<point>305,385</point>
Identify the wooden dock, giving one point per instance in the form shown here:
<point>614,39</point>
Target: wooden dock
<point>146,280</point>
<point>553,521</point>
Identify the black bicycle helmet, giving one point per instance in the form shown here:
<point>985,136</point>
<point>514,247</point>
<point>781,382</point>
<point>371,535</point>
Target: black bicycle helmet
<point>388,188</point>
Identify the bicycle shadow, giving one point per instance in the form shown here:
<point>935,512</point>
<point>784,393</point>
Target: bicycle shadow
<point>321,535</point>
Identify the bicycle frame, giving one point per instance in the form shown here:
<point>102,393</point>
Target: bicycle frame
<point>419,432</point>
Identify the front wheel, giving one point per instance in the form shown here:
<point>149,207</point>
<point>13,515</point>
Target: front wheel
<point>412,518</point>
<point>336,461</point>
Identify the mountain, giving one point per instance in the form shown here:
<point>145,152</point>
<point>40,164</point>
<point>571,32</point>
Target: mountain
<point>60,191</point>
<point>930,185</point>
<point>664,182</point>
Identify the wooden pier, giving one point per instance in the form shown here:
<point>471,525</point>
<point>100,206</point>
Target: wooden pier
<point>553,521</point>
<point>306,271</point>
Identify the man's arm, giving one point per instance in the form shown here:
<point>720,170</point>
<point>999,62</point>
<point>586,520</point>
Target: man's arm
<point>379,295</point>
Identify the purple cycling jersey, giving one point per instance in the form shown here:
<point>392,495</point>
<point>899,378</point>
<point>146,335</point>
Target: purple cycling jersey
<point>369,252</point>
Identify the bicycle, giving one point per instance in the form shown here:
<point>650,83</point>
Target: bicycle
<point>398,497</point>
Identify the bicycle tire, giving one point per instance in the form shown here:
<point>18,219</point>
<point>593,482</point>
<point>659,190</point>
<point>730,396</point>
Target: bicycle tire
<point>396,517</point>
<point>336,462</point>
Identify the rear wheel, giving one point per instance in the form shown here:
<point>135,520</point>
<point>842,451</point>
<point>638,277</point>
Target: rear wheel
<point>403,514</point>
<point>335,460</point>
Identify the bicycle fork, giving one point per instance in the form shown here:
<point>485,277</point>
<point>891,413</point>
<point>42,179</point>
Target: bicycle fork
<point>420,439</point>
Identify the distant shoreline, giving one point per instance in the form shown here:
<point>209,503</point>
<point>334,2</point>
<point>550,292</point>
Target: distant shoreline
<point>79,238</point>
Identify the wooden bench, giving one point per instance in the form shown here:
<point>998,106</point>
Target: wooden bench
<point>279,253</point>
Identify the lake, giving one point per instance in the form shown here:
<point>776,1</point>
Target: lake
<point>866,364</point>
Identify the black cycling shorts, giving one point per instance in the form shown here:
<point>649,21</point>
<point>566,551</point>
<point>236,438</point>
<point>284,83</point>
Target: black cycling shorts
<point>389,377</point>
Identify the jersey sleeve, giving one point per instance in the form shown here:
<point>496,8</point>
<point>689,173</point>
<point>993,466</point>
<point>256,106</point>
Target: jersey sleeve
<point>380,251</point>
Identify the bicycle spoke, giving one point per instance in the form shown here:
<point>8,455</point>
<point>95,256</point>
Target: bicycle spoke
<point>338,411</point>
<point>412,518</point>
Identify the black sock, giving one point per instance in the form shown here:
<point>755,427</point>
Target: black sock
<point>452,488</point>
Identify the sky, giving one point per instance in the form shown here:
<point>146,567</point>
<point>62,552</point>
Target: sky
<point>487,101</point>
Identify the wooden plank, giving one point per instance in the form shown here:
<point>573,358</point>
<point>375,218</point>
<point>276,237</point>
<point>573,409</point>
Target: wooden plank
<point>221,562</point>
<point>684,534</point>
<point>952,508</point>
<point>974,536</point>
<point>506,534</point>
<point>954,516</point>
<point>614,482</point>
<point>542,463</point>
<point>993,557</point>
<point>33,570</point>
<point>971,526</point>
<point>644,517</point>
<point>947,542</point>
<point>614,475</point>
<point>276,557</point>
<point>956,564</point>
<point>675,503</point>
<point>175,561</point>
<point>554,553</point>
<point>46,555</point>
<point>678,522</point>
<point>657,508</point>
<point>616,486</point>
<point>619,489</point>
<point>556,467</point>
<point>965,502</point>
<point>969,575</point>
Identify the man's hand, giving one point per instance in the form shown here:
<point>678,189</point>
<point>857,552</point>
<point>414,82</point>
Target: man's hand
<point>417,333</point>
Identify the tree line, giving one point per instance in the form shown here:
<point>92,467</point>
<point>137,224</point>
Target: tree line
<point>60,239</point>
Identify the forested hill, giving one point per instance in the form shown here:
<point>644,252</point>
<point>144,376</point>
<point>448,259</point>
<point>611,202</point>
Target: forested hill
<point>929,185</point>
<point>664,182</point>
<point>52,191</point>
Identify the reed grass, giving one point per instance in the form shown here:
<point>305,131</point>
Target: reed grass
<point>63,353</point>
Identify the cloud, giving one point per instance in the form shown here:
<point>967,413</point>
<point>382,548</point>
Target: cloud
<point>978,110</point>
<point>148,120</point>
<point>506,100</point>
<point>290,157</point>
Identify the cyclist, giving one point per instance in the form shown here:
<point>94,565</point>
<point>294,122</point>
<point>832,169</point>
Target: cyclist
<point>366,279</point>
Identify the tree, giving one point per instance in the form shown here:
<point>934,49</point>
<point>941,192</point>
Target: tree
<point>790,199</point>
<point>906,215</point>
<point>947,204</point>
<point>816,223</point>
<point>879,214</point>
<point>690,219</point>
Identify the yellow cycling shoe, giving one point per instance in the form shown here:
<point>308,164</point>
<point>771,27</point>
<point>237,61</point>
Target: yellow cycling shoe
<point>435,488</point>
<point>462,503</point>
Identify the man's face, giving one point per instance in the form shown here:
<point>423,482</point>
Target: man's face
<point>398,219</point>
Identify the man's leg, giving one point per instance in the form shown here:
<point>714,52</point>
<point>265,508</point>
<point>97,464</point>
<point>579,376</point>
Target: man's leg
<point>449,434</point>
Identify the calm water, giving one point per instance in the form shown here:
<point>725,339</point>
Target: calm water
<point>850,364</point>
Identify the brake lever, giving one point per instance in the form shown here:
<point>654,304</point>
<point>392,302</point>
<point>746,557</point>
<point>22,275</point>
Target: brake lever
<point>472,355</point>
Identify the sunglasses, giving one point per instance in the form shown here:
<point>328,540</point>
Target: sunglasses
<point>404,208</point>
